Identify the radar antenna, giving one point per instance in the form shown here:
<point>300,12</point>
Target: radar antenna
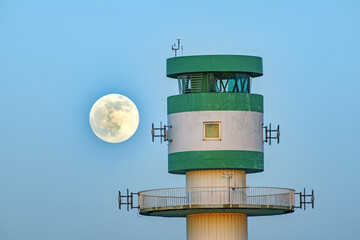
<point>305,199</point>
<point>268,134</point>
<point>163,133</point>
<point>129,200</point>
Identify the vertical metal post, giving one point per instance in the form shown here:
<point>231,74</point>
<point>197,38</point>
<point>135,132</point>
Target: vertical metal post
<point>127,199</point>
<point>304,200</point>
<point>189,195</point>
<point>312,198</point>
<point>229,189</point>
<point>140,203</point>
<point>131,200</point>
<point>156,200</point>
<point>119,200</point>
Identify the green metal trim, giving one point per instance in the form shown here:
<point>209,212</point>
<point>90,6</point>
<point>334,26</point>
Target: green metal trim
<point>214,63</point>
<point>215,102</point>
<point>183,211</point>
<point>249,161</point>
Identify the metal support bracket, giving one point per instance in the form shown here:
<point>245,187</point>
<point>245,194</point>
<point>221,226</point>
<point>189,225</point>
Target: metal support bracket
<point>304,199</point>
<point>163,133</point>
<point>268,134</point>
<point>129,200</point>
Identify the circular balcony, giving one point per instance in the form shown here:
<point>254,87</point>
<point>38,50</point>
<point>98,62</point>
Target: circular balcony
<point>253,201</point>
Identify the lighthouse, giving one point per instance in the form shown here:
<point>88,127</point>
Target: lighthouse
<point>215,135</point>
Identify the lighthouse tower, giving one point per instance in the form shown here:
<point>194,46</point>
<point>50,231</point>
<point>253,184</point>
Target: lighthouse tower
<point>216,135</point>
<point>216,139</point>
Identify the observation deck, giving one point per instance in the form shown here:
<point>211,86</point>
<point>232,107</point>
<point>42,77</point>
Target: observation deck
<point>253,201</point>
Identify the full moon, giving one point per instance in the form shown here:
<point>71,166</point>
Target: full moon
<point>114,118</point>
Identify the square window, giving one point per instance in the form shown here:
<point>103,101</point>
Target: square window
<point>212,131</point>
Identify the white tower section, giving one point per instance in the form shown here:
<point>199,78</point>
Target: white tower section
<point>239,130</point>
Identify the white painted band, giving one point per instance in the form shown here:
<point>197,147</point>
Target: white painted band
<point>240,130</point>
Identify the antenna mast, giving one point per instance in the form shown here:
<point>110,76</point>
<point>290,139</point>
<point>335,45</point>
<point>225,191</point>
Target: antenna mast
<point>174,48</point>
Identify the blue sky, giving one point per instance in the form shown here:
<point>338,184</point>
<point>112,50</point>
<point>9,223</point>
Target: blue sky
<point>59,181</point>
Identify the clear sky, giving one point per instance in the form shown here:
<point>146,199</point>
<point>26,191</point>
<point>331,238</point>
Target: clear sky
<point>59,181</point>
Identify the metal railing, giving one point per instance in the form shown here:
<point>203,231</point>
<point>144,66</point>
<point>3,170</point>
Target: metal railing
<point>214,196</point>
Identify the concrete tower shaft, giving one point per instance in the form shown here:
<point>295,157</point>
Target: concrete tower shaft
<point>216,178</point>
<point>216,226</point>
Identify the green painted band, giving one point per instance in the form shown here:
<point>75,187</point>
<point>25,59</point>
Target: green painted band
<point>215,102</point>
<point>214,63</point>
<point>249,161</point>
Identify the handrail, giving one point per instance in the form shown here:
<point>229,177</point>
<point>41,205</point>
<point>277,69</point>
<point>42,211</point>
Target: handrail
<point>268,197</point>
<point>217,187</point>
